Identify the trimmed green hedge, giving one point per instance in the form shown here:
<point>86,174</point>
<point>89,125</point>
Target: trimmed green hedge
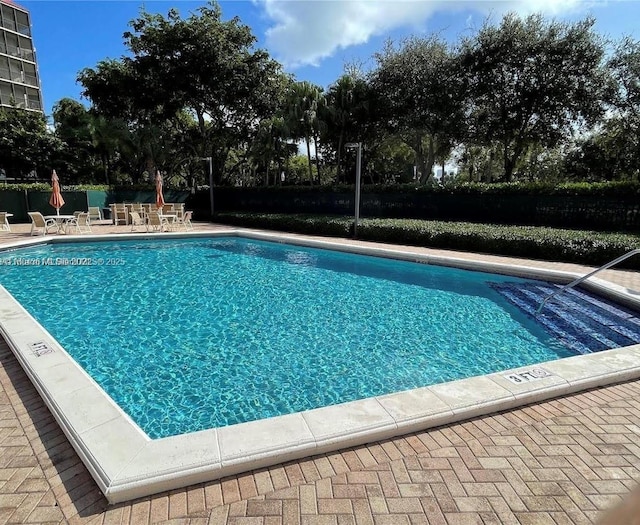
<point>551,244</point>
<point>609,189</point>
<point>596,189</point>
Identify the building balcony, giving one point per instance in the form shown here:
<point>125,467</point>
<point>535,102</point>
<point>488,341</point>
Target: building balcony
<point>18,77</point>
<point>31,103</point>
<point>10,25</point>
<point>17,52</point>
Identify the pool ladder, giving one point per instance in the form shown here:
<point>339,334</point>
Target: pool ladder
<point>585,277</point>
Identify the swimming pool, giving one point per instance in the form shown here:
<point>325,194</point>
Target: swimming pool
<point>305,430</point>
<point>192,334</point>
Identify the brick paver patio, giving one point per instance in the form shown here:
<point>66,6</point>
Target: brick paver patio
<point>560,461</point>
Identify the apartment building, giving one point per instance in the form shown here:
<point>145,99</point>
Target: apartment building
<point>19,80</point>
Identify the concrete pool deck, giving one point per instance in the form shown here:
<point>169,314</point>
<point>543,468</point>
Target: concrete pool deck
<point>460,473</point>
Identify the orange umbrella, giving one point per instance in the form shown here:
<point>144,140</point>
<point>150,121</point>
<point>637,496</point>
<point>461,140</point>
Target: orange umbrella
<point>56,199</point>
<point>159,196</point>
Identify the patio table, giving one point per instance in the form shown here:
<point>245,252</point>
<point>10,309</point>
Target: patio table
<point>61,221</point>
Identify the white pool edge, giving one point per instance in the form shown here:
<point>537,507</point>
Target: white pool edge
<point>126,464</point>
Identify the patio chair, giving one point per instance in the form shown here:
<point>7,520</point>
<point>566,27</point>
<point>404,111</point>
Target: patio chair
<point>80,222</point>
<point>156,222</point>
<point>136,220</point>
<point>40,225</point>
<point>4,221</point>
<point>120,214</point>
<point>184,219</point>
<point>95,213</point>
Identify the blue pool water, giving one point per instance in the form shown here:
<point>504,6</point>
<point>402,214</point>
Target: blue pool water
<point>193,334</point>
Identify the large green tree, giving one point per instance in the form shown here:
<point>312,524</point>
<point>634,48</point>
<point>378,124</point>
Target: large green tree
<point>345,112</point>
<point>201,64</point>
<point>303,103</point>
<point>532,82</point>
<point>26,145</point>
<point>71,124</point>
<point>91,140</point>
<point>623,127</point>
<point>420,96</point>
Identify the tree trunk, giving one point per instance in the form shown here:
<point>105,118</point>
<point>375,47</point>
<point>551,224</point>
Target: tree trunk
<point>277,178</point>
<point>309,159</point>
<point>105,165</point>
<point>315,141</point>
<point>508,163</point>
<point>339,158</point>
<point>487,169</point>
<point>427,163</point>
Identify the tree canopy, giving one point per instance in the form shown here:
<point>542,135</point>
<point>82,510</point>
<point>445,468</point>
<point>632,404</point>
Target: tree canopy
<point>526,98</point>
<point>530,82</point>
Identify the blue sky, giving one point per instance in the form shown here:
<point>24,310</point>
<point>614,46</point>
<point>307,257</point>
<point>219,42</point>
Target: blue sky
<point>312,38</point>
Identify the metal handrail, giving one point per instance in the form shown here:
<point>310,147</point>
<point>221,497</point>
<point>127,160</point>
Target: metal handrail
<point>585,277</point>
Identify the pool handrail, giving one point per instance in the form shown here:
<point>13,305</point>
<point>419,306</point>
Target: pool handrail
<point>585,277</point>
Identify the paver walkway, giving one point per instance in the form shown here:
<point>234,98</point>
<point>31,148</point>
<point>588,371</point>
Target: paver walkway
<point>560,461</point>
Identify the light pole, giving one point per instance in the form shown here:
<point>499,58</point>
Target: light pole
<point>210,161</point>
<point>358,146</point>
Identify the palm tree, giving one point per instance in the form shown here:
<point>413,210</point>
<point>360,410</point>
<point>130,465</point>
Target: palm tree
<point>303,101</point>
<point>346,104</point>
<point>270,144</point>
<point>107,136</point>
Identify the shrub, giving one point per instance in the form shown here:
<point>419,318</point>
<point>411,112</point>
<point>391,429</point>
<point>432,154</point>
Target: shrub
<point>551,244</point>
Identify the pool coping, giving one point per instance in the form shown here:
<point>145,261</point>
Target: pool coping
<point>126,464</point>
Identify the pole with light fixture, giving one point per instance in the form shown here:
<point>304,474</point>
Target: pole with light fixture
<point>210,161</point>
<point>358,146</point>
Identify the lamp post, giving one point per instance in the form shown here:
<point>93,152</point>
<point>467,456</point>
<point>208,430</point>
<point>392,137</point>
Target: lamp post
<point>358,146</point>
<point>210,161</point>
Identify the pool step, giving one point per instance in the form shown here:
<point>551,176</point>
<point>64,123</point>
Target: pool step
<point>581,321</point>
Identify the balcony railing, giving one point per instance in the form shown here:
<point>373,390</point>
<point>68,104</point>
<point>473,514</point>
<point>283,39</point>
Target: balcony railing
<point>24,30</point>
<point>14,51</point>
<point>8,24</point>
<point>18,76</point>
<point>30,80</point>
<point>22,103</point>
<point>34,103</point>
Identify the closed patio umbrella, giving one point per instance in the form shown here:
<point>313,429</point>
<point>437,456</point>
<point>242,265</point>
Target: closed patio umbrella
<point>159,196</point>
<point>56,199</point>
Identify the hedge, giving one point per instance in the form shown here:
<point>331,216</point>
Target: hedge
<point>530,242</point>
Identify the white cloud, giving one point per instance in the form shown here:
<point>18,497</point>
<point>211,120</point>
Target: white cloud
<point>303,32</point>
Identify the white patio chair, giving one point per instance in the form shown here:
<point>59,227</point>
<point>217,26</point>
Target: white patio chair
<point>4,221</point>
<point>80,223</point>
<point>40,225</point>
<point>95,213</point>
<point>184,219</point>
<point>156,222</point>
<point>136,220</point>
